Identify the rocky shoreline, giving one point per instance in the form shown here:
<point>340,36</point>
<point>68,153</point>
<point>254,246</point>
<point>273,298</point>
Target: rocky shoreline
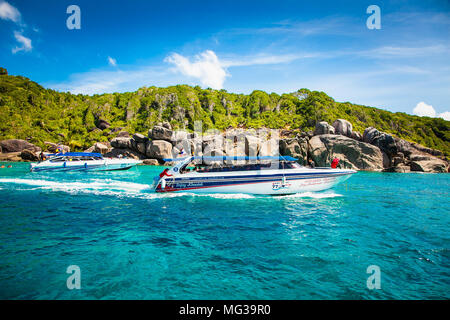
<point>372,151</point>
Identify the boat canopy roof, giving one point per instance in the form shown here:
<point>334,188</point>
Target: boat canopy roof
<point>231,158</point>
<point>77,154</point>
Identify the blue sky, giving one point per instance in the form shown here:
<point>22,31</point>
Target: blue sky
<point>276,46</point>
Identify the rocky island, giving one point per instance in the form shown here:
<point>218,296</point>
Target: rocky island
<point>157,123</point>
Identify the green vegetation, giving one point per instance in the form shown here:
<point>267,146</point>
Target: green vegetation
<point>27,110</point>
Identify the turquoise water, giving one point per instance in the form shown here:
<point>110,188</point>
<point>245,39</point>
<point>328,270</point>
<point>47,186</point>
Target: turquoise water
<point>131,243</point>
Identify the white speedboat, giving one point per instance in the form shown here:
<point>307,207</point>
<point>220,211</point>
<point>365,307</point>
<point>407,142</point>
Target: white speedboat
<point>265,175</point>
<point>82,161</point>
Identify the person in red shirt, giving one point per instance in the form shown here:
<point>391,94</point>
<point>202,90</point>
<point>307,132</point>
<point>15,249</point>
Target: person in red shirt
<point>335,163</point>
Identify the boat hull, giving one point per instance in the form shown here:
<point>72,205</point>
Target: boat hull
<point>264,184</point>
<point>101,165</point>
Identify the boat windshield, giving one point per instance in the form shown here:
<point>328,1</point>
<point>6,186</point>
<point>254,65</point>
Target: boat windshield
<point>74,158</point>
<point>237,167</point>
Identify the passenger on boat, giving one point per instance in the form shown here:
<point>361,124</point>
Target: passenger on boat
<point>311,163</point>
<point>334,163</point>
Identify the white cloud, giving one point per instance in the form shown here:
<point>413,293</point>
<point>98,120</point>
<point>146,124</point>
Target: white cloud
<point>212,72</point>
<point>425,110</point>
<point>8,12</point>
<point>445,115</point>
<point>206,67</point>
<point>24,41</point>
<point>112,61</point>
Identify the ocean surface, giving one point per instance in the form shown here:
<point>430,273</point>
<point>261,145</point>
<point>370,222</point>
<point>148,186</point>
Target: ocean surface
<point>131,243</point>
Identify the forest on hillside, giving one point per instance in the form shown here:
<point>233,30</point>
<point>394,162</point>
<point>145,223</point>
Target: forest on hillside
<point>29,111</point>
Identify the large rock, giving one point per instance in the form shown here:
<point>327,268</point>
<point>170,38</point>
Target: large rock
<point>399,169</point>
<point>54,148</point>
<point>216,153</point>
<point>123,134</point>
<point>29,155</point>
<point>356,135</point>
<point>133,144</point>
<point>179,136</point>
<point>234,149</point>
<point>252,145</point>
<point>189,147</point>
<point>166,125</point>
<point>128,153</point>
<point>213,145</point>
<point>430,164</point>
<point>408,148</point>
<point>150,162</point>
<point>17,145</point>
<point>343,127</point>
<point>195,146</point>
<point>141,147</point>
<point>422,159</point>
<point>402,168</point>
<point>297,148</point>
<point>160,133</point>
<point>103,124</point>
<point>213,141</point>
<point>386,160</point>
<point>382,140</point>
<point>354,154</point>
<point>270,147</point>
<point>139,138</point>
<point>159,149</point>
<point>323,127</point>
<point>10,156</point>
<point>101,148</point>
<point>121,142</point>
<point>398,159</point>
<point>424,149</point>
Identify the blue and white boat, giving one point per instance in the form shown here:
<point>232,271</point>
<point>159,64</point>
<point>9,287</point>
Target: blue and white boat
<point>257,175</point>
<point>82,161</point>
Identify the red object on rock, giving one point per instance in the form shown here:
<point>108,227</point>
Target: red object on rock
<point>335,163</point>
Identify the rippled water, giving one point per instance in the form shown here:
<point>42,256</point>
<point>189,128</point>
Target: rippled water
<point>132,243</point>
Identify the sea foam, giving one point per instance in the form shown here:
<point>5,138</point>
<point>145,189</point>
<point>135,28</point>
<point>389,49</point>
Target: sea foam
<point>110,187</point>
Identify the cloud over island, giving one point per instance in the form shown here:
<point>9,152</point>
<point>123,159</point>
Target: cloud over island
<point>425,110</point>
<point>204,68</point>
<point>11,13</point>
